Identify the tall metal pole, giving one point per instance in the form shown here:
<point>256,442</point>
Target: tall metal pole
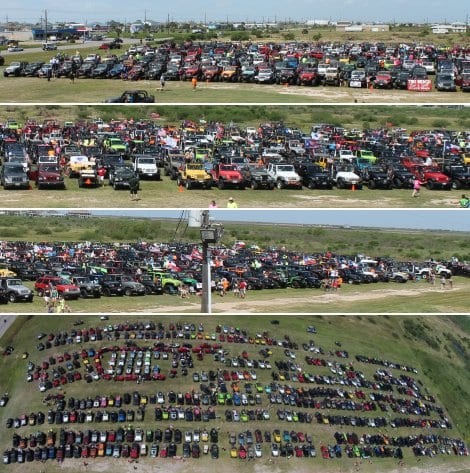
<point>206,302</point>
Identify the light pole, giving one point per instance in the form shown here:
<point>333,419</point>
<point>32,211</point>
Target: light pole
<point>209,234</point>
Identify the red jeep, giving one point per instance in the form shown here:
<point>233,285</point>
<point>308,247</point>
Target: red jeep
<point>227,175</point>
<point>64,287</point>
<point>308,76</point>
<point>432,177</point>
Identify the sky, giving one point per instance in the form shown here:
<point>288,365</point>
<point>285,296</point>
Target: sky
<point>450,219</point>
<point>238,10</point>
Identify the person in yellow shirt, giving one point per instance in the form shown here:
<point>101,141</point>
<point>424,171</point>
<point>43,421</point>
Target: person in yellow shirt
<point>231,204</point>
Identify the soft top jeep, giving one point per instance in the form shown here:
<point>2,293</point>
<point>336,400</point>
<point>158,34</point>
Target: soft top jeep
<point>194,174</point>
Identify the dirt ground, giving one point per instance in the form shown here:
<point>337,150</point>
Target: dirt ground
<point>264,465</point>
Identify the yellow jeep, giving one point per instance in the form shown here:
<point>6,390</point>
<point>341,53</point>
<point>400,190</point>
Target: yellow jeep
<point>194,174</point>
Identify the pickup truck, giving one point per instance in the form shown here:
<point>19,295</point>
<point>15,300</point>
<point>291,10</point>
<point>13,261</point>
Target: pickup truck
<point>227,175</point>
<point>146,167</point>
<point>284,175</point>
<point>194,175</point>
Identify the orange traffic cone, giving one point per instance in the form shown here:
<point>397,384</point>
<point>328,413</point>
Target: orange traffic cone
<point>353,187</point>
<point>181,187</point>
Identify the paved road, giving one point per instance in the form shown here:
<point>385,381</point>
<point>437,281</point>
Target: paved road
<point>5,322</point>
<point>77,45</point>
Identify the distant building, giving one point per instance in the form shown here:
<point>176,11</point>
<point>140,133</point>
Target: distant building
<point>317,22</point>
<point>456,27</point>
<point>350,27</point>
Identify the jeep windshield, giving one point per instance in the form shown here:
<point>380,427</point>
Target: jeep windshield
<point>146,161</point>
<point>49,168</point>
<point>285,168</point>
<point>14,169</point>
<point>14,282</point>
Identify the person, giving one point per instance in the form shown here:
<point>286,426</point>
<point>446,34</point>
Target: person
<point>213,204</point>
<point>235,288</point>
<point>133,187</point>
<point>194,82</point>
<point>231,204</point>
<point>242,289</point>
<point>101,174</point>
<point>416,187</point>
<point>464,202</point>
<point>162,82</point>
<point>443,282</point>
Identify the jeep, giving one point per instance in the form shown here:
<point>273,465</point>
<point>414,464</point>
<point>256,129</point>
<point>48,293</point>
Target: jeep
<point>284,175</point>
<point>256,176</point>
<point>345,176</point>
<point>172,165</point>
<point>229,74</point>
<point>377,177</point>
<point>120,177</point>
<point>15,69</point>
<point>49,175</point>
<point>15,290</point>
<point>133,96</point>
<point>14,176</point>
<point>88,287</point>
<point>460,176</point>
<point>146,167</point>
<point>308,76</point>
<point>227,175</point>
<point>169,284</point>
<point>194,174</point>
<point>88,178</point>
<point>314,176</point>
<point>64,287</point>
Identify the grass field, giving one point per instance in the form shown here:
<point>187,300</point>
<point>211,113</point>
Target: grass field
<point>297,116</point>
<point>403,245</point>
<point>390,297</point>
<point>34,90</point>
<point>165,193</point>
<point>437,346</point>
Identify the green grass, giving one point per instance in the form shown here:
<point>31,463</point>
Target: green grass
<point>441,372</point>
<point>97,90</point>
<point>296,116</point>
<point>403,245</point>
<point>372,298</point>
<point>165,193</point>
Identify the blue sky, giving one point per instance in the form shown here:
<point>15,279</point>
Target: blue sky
<point>239,10</point>
<point>450,219</point>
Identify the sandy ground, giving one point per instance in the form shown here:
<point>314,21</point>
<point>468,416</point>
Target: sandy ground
<point>235,305</point>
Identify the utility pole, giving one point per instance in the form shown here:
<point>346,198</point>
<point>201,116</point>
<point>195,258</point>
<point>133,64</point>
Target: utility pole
<point>209,234</point>
<point>206,299</point>
<point>45,25</point>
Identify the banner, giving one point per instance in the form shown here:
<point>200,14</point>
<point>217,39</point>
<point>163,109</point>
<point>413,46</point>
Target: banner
<point>419,85</point>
